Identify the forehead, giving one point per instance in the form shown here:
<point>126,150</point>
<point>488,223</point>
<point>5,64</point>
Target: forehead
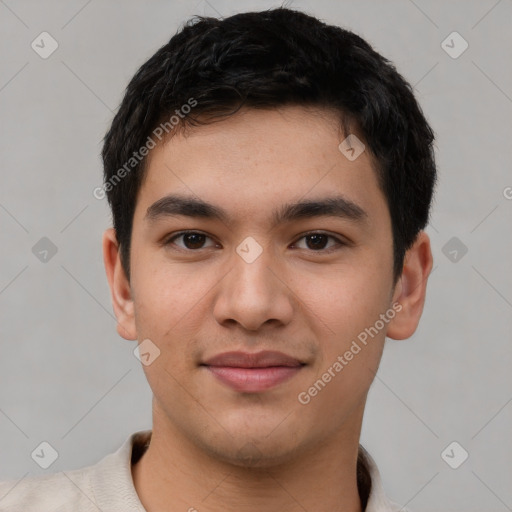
<point>256,160</point>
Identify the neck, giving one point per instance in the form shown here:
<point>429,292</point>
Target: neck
<point>175,474</point>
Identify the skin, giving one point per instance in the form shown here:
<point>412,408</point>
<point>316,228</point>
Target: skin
<point>214,448</point>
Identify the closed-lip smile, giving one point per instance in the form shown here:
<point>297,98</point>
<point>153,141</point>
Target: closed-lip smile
<point>253,372</point>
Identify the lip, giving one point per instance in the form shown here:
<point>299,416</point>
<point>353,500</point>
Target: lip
<point>253,372</point>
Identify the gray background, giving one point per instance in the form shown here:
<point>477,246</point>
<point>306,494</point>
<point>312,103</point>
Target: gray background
<point>69,379</point>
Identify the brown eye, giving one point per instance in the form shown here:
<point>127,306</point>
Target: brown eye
<point>317,242</point>
<point>191,240</point>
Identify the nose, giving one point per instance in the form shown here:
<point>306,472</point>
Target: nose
<point>254,294</point>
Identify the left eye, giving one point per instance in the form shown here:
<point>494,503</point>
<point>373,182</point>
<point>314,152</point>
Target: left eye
<point>317,241</point>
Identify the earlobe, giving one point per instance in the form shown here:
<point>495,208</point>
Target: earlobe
<point>120,289</point>
<point>411,289</point>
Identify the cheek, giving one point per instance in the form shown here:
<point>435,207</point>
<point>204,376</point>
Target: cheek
<point>348,313</point>
<point>167,299</point>
<point>350,352</point>
<point>173,303</point>
<point>346,301</point>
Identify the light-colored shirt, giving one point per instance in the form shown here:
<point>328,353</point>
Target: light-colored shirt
<point>107,486</point>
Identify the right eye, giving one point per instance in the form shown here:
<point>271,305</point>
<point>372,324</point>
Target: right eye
<point>191,240</point>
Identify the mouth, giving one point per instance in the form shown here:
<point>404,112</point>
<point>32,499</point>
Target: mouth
<point>253,373</point>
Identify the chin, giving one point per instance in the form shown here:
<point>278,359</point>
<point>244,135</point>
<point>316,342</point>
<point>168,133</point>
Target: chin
<point>251,456</point>
<point>256,444</point>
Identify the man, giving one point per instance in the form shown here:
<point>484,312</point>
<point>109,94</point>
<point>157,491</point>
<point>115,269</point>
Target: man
<point>270,177</point>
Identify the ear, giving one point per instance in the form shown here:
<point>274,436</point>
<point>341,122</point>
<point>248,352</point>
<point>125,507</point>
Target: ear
<point>411,288</point>
<point>120,289</point>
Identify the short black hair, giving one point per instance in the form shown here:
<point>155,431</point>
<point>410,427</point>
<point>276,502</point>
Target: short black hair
<point>277,57</point>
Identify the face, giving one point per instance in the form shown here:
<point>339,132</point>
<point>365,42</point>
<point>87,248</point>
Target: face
<point>257,281</point>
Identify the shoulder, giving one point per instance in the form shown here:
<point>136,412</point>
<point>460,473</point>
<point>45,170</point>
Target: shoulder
<point>106,485</point>
<point>49,492</point>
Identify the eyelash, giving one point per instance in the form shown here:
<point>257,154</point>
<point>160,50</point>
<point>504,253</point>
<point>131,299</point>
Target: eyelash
<point>339,243</point>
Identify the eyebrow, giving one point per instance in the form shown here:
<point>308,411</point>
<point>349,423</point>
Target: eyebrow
<point>177,205</point>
